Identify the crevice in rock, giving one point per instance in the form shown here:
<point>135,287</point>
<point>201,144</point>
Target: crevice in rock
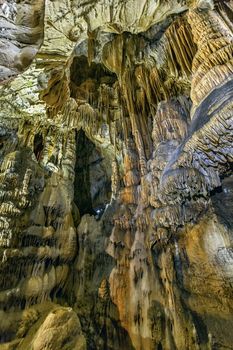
<point>222,199</point>
<point>92,184</point>
<point>38,146</point>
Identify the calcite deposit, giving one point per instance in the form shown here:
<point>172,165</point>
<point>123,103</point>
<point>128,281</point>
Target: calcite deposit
<point>116,183</point>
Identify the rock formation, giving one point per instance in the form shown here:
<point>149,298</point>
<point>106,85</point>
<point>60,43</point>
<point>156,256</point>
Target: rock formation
<point>116,184</point>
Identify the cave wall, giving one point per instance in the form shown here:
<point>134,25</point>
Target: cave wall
<point>116,182</point>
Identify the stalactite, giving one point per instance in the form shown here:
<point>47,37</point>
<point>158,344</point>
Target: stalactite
<point>131,266</point>
<point>180,47</point>
<point>135,122</point>
<point>91,47</point>
<point>212,64</point>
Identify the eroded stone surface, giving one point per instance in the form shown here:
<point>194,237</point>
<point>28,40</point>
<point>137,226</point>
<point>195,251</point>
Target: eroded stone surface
<point>116,175</point>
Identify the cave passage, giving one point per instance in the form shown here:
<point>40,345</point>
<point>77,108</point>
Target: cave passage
<point>85,79</point>
<point>38,146</point>
<point>92,184</point>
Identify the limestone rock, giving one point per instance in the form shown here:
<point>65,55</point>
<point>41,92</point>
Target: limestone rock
<point>116,182</point>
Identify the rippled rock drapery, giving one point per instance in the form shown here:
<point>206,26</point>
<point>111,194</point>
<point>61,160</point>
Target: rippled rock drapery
<point>116,185</point>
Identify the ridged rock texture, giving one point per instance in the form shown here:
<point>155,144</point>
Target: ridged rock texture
<point>116,184</point>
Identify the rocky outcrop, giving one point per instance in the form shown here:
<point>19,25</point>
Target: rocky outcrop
<point>116,175</point>
<point>20,36</point>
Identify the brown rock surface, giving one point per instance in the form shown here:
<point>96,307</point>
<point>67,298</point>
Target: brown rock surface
<point>116,185</point>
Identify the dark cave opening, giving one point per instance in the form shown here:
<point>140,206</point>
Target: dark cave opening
<point>86,79</point>
<point>160,347</point>
<point>1,142</point>
<point>6,336</point>
<point>81,70</point>
<point>92,184</point>
<point>222,199</point>
<point>38,146</point>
